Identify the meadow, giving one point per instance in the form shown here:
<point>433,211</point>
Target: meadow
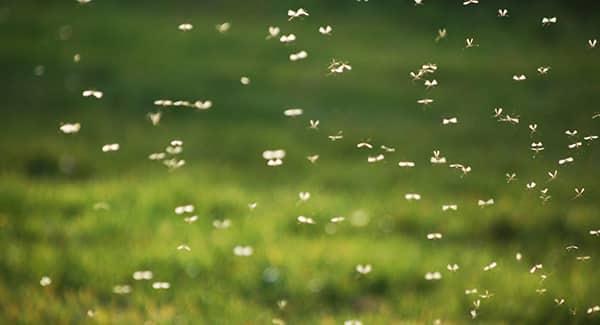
<point>89,219</point>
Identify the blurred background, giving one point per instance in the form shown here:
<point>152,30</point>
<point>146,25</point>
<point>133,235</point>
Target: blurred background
<point>89,219</point>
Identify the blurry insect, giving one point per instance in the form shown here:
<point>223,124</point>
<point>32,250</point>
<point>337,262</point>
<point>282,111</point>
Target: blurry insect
<point>592,43</point>
<point>510,177</point>
<point>483,203</point>
<point>245,80</point>
<point>202,105</point>
<point>541,291</point>
<point>142,275</point>
<point>532,128</point>
<point>575,145</point>
<point>595,116</point>
<point>452,120</point>
<point>537,147</point>
<point>535,268</point>
<point>559,301</point>
<point>223,28</point>
<point>122,289</point>
<point>221,224</point>
<point>490,266</point>
<point>157,156</point>
<point>184,247</point>
<point>190,219</point>
<point>590,138</point>
<point>429,276</point>
<point>579,192</point>
<point>314,124</point>
<point>77,58</point>
<point>546,21</point>
<point>161,285</point>
<point>470,2</point>
<point>282,303</point>
<point>387,149</point>
<point>337,219</point>
<point>571,248</point>
<point>447,207</point>
<point>593,309</point>
<point>434,236</point>
<point>337,136</point>
<point>298,56</point>
<point>273,32</point>
<point>552,175</point>
<point>583,258</point>
<point>566,160</point>
<point>470,291</point>
<point>304,196</point>
<point>364,145</point>
<point>84,1</point>
<point>92,93</point>
<point>70,128</point>
<point>519,77</point>
<point>470,42</point>
<point>252,205</point>
<point>452,267</point>
<point>408,164</point>
<point>299,13</point>
<point>441,34</point>
<point>531,185</point>
<point>185,27</point>
<point>543,70</point>
<point>502,12</point>
<point>325,30</point>
<point>110,147</point>
<point>486,295</point>
<point>243,251</point>
<point>293,112</point>
<point>364,269</point>
<point>509,119</point>
<point>412,196</point>
<point>354,321</point>
<point>287,38</point>
<point>430,83</point>
<point>571,133</point>
<point>305,220</point>
<point>374,159</point>
<point>425,101</point>
<point>465,169</point>
<point>313,159</point>
<point>473,313</point>
<point>184,209</point>
<point>45,281</point>
<point>436,158</point>
<point>418,2</point>
<point>155,118</point>
<point>274,157</point>
<point>498,112</point>
<point>336,67</point>
<point>518,256</point>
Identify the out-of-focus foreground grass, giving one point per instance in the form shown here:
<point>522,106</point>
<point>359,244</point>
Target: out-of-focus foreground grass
<point>133,52</point>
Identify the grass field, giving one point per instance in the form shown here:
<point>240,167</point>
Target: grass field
<point>88,219</point>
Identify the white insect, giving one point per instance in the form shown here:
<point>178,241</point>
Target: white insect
<point>155,118</point>
<point>519,77</point>
<point>364,145</point>
<point>559,301</point>
<point>535,268</point>
<point>287,38</point>
<point>274,157</point>
<point>190,219</point>
<point>546,21</point>
<point>203,105</point>
<point>470,42</point>
<point>593,309</point>
<point>406,164</point>
<point>470,291</point>
<point>571,133</point>
<point>337,219</point>
<point>337,67</point>
<point>429,276</point>
<point>273,32</point>
<point>412,196</point>
<point>298,56</point>
<point>223,28</point>
<point>418,2</point>
<point>579,192</point>
<point>70,128</point>
<point>45,281</point>
<point>434,236</point>
<point>222,224</point>
<point>122,289</point>
<point>425,101</point>
<point>437,158</point>
<point>531,185</point>
<point>243,251</point>
<point>452,267</point>
<point>245,80</point>
<point>451,120</point>
<point>430,83</point>
<point>510,177</point>
<point>483,203</point>
<point>518,256</point>
<point>387,149</point>
<point>447,207</point>
<point>532,128</point>
<point>189,208</point>
<point>293,112</point>
<point>502,12</point>
<point>374,159</point>
<point>552,175</point>
<point>470,2</point>
<point>543,70</point>
<point>185,27</point>
<point>566,160</point>
<point>184,247</point>
<point>364,269</point>
<point>298,13</point>
<point>575,145</point>
<point>338,136</point>
<point>305,220</point>
<point>465,169</point>
<point>304,196</point>
<point>441,34</point>
<point>498,112</point>
<point>313,158</point>
<point>161,285</point>
<point>142,275</point>
<point>92,93</point>
<point>325,30</point>
<point>490,266</point>
<point>110,147</point>
<point>592,43</point>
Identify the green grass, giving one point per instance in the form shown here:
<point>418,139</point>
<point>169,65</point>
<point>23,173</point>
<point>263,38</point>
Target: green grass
<point>134,53</point>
